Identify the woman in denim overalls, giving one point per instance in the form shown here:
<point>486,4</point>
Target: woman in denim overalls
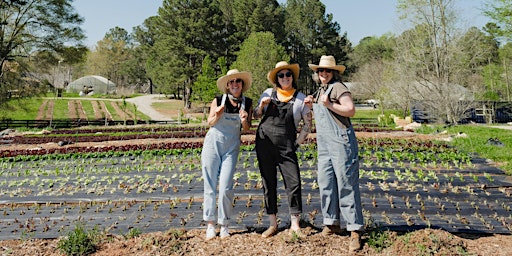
<point>229,113</point>
<point>282,108</point>
<point>338,162</point>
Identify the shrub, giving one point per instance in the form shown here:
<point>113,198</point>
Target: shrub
<point>78,242</point>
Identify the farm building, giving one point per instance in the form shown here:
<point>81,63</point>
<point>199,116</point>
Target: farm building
<point>92,84</point>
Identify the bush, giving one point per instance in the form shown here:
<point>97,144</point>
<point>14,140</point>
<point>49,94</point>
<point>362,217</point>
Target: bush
<point>78,242</point>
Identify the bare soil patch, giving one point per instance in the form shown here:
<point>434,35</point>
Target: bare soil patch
<point>191,242</point>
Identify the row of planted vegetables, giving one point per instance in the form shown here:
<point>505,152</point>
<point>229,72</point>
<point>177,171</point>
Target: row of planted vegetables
<point>404,182</point>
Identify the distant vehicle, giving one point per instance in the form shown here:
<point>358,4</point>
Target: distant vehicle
<point>374,103</point>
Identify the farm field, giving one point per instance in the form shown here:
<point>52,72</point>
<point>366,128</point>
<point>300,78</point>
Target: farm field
<point>86,109</point>
<point>411,184</point>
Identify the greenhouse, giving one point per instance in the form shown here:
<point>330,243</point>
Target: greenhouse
<point>92,85</point>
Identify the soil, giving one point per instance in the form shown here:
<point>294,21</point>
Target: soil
<point>249,242</point>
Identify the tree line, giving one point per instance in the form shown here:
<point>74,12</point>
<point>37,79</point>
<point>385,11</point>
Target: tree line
<point>183,49</point>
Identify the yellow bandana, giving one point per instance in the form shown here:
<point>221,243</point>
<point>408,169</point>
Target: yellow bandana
<point>285,95</point>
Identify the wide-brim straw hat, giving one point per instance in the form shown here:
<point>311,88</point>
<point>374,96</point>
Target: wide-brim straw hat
<point>294,68</point>
<point>222,82</point>
<point>327,62</point>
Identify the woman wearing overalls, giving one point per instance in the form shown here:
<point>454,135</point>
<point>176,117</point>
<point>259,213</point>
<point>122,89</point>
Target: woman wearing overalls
<point>282,108</point>
<point>338,163</point>
<point>229,113</point>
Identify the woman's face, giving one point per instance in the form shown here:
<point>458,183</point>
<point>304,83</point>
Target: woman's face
<point>285,79</point>
<point>325,75</point>
<point>235,87</point>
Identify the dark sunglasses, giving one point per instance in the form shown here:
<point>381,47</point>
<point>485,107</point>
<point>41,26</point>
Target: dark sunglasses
<point>324,69</point>
<point>287,74</point>
<point>238,80</point>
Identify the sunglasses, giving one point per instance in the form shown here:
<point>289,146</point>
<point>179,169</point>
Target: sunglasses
<point>324,69</point>
<point>238,80</point>
<point>287,74</point>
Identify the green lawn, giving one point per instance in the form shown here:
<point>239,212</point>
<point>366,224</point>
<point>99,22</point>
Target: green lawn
<point>475,139</point>
<point>27,109</point>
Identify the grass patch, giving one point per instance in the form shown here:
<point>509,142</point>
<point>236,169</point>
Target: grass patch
<point>27,109</point>
<point>60,109</point>
<point>88,109</point>
<point>475,139</point>
<point>374,113</point>
<point>21,109</point>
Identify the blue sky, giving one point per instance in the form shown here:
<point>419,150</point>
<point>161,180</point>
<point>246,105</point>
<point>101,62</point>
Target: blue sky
<point>359,18</point>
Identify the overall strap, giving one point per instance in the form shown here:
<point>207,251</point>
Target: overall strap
<point>242,106</point>
<point>329,89</point>
<point>223,101</point>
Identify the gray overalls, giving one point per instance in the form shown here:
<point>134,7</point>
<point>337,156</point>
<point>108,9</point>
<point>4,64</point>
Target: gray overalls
<point>275,147</point>
<point>218,159</point>
<point>338,170</point>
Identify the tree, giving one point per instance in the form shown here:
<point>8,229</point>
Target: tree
<point>188,31</point>
<point>258,55</point>
<point>499,11</point>
<point>110,56</point>
<point>310,33</point>
<point>372,59</point>
<point>206,85</point>
<point>428,58</point>
<point>31,26</point>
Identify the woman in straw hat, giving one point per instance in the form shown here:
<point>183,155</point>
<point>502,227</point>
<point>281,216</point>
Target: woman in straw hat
<point>281,108</point>
<point>338,165</point>
<point>229,113</point>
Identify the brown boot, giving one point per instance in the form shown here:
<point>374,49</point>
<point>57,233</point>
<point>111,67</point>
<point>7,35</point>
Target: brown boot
<point>331,230</point>
<point>355,241</point>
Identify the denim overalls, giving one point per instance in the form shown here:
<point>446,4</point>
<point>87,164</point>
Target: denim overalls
<point>218,160</point>
<point>275,147</point>
<point>338,170</point>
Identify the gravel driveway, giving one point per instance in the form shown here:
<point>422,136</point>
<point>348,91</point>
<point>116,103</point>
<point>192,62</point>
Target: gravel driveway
<point>144,103</point>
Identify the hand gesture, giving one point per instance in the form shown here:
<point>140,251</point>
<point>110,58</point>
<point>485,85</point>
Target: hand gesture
<point>219,110</point>
<point>243,115</point>
<point>309,101</point>
<point>265,101</point>
<point>324,99</point>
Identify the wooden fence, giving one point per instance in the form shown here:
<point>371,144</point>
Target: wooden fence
<point>55,124</point>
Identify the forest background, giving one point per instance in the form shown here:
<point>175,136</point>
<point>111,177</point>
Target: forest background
<point>184,49</point>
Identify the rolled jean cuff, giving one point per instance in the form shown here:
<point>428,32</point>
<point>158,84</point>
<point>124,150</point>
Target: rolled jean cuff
<point>331,221</point>
<point>355,227</point>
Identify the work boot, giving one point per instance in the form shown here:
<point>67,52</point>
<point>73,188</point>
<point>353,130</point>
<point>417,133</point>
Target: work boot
<point>355,241</point>
<point>331,230</point>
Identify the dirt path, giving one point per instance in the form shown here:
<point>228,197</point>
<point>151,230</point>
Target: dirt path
<point>144,103</point>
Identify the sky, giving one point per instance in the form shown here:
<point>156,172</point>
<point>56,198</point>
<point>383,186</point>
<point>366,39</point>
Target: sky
<point>359,18</point>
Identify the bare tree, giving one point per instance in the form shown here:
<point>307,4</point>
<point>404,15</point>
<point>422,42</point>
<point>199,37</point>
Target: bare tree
<point>428,57</point>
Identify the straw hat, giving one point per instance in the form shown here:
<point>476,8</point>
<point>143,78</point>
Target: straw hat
<point>222,82</point>
<point>271,76</point>
<point>327,62</point>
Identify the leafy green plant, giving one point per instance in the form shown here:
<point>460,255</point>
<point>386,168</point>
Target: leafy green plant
<point>378,238</point>
<point>133,232</point>
<point>80,241</point>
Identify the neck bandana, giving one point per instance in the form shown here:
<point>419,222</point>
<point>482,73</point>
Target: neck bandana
<point>285,95</point>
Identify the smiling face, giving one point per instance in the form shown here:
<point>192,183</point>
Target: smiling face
<point>285,79</point>
<point>235,86</point>
<point>325,75</point>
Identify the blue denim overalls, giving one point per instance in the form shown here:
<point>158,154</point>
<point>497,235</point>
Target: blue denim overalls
<point>218,159</point>
<point>338,170</point>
